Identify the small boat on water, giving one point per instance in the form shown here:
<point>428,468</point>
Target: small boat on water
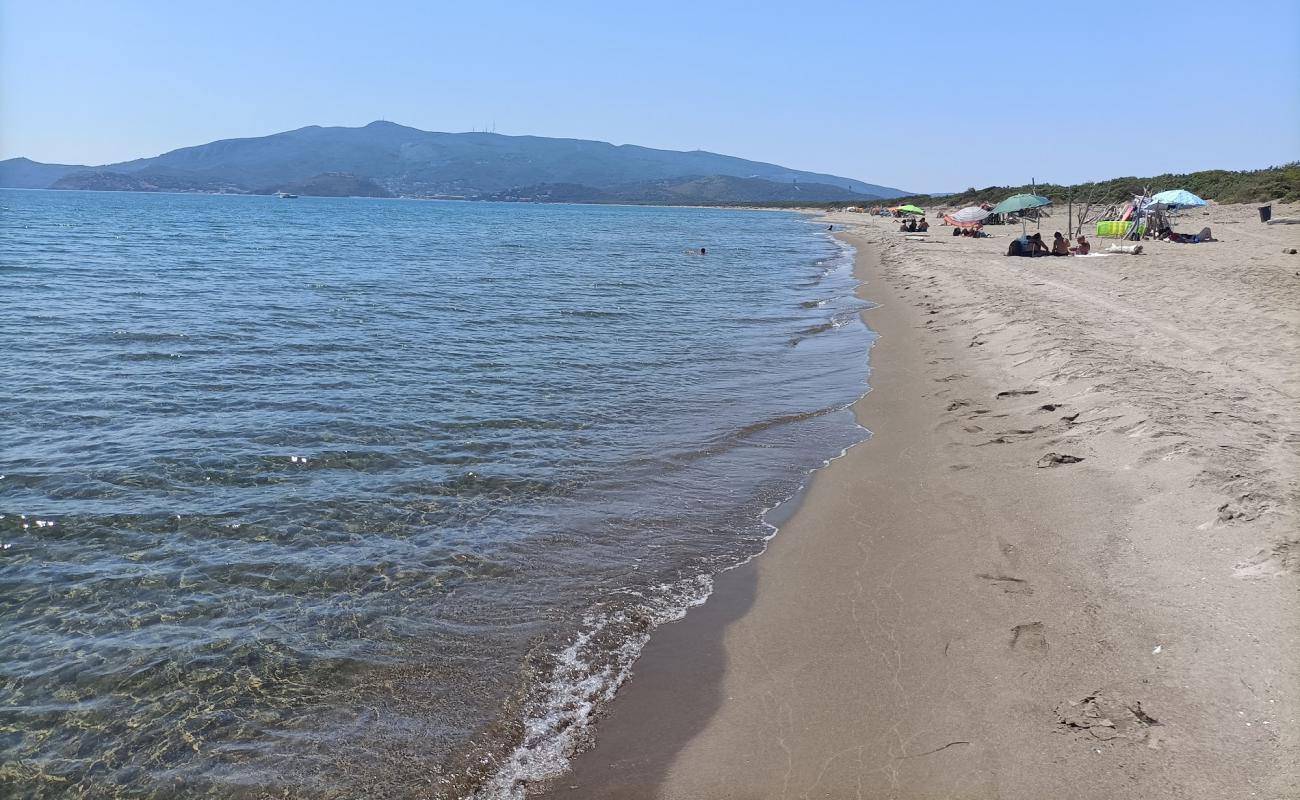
<point>286,196</point>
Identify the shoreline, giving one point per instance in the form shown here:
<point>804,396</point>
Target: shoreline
<point>942,617</point>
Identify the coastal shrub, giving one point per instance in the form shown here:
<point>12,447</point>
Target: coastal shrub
<point>1280,183</point>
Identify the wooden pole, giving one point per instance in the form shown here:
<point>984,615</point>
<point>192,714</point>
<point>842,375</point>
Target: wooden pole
<point>1069,216</point>
<point>1038,215</point>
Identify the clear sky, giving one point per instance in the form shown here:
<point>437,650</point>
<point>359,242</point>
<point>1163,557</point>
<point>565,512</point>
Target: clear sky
<point>924,96</point>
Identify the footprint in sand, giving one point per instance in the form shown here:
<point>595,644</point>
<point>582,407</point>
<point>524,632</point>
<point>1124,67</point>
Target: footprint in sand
<point>1016,392</point>
<point>1281,559</point>
<point>1057,459</point>
<point>1007,583</point>
<point>1029,637</point>
<point>1009,551</point>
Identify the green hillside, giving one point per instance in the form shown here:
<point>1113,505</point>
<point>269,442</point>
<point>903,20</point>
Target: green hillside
<point>1222,186</point>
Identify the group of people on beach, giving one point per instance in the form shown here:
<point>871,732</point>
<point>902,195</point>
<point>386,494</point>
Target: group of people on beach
<point>1030,245</point>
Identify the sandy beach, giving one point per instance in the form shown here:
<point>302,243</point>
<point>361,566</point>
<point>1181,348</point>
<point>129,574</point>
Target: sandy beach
<point>1065,564</point>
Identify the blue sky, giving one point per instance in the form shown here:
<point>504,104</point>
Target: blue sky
<point>913,94</point>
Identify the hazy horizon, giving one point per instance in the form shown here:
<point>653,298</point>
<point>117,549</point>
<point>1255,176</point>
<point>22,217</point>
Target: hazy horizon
<point>807,91</point>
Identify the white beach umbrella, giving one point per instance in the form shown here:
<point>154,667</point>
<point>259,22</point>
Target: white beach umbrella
<point>970,214</point>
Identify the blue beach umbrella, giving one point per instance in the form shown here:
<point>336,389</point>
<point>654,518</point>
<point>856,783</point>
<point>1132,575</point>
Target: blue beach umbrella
<point>1177,198</point>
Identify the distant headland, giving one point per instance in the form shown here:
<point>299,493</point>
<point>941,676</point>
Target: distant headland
<point>384,159</point>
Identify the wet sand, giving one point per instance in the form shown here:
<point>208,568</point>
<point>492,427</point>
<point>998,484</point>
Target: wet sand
<point>959,607</point>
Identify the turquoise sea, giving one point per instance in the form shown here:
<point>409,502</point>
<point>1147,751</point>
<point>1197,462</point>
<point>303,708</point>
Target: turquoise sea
<point>341,497</point>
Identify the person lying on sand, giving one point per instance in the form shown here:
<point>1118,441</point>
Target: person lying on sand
<point>1082,248</point>
<point>1060,245</point>
<point>1186,238</point>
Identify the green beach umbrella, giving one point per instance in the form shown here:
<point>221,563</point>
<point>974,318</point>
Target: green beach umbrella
<point>910,209</point>
<point>1021,202</point>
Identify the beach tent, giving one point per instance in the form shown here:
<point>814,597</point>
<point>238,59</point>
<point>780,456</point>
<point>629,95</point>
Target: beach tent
<point>908,209</point>
<point>1021,202</point>
<point>969,217</point>
<point>1177,198</point>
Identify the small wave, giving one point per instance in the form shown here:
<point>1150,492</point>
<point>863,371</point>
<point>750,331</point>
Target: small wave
<point>151,356</point>
<point>591,314</point>
<point>811,331</point>
<point>585,677</point>
<point>141,336</point>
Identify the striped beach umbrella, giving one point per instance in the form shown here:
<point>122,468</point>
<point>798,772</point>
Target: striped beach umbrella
<point>968,216</point>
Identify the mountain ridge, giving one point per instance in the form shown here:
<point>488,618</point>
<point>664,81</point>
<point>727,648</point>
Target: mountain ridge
<point>411,162</point>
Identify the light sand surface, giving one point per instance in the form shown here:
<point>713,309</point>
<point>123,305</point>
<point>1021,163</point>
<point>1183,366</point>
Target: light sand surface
<point>952,613</point>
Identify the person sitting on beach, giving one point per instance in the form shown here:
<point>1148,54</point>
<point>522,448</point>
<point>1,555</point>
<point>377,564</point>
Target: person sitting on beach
<point>1060,245</point>
<point>1083,246</point>
<point>1037,247</point>
<point>902,228</point>
<point>923,226</point>
<point>958,232</point>
<point>911,225</point>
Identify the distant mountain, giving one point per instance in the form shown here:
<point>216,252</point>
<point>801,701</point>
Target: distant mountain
<point>479,165</point>
<point>23,173</point>
<point>407,161</point>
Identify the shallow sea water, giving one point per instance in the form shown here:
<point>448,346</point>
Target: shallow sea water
<point>317,496</point>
